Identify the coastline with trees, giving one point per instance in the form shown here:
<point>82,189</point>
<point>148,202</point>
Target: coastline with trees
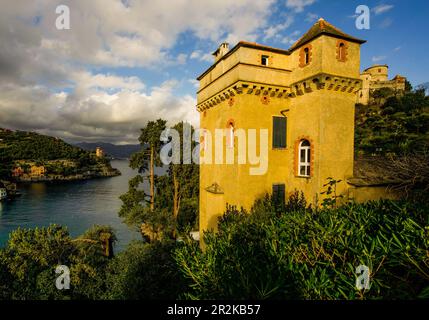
<point>28,157</point>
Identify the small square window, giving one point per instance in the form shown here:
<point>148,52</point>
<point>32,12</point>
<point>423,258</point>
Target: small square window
<point>264,60</point>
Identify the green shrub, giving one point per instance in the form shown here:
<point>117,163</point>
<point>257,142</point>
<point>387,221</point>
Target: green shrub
<point>29,260</point>
<point>308,254</point>
<point>145,271</point>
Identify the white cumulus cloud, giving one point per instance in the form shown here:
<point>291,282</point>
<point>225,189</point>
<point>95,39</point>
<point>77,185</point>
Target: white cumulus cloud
<point>382,8</point>
<point>64,82</point>
<point>299,5</point>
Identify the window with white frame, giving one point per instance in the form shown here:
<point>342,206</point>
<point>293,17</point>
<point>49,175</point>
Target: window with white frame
<point>304,163</point>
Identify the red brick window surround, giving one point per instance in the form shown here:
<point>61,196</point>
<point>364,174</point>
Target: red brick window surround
<point>304,157</point>
<point>342,50</point>
<point>305,55</point>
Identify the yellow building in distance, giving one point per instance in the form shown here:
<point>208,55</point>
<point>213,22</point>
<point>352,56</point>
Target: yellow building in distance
<point>99,152</point>
<point>376,77</point>
<point>304,96</point>
<point>37,171</point>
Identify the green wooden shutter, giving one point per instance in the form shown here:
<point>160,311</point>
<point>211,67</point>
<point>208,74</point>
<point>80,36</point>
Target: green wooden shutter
<point>279,132</point>
<point>279,193</point>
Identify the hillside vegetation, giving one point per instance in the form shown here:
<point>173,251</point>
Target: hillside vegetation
<point>21,145</point>
<point>20,148</point>
<point>392,124</point>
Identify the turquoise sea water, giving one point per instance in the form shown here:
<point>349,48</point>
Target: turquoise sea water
<point>77,205</point>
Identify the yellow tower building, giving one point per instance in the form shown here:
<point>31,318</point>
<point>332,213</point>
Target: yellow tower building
<point>303,98</point>
<point>99,153</point>
<point>376,77</point>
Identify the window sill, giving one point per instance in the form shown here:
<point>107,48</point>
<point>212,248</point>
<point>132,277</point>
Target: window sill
<point>279,149</point>
<point>303,177</point>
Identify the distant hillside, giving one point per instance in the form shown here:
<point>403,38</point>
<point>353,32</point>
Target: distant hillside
<point>29,157</point>
<point>22,145</point>
<point>115,151</point>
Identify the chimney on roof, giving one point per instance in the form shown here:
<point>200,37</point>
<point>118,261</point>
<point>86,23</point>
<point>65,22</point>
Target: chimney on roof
<point>221,51</point>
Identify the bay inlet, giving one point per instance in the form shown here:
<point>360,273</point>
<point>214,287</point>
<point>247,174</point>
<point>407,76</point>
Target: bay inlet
<point>77,205</point>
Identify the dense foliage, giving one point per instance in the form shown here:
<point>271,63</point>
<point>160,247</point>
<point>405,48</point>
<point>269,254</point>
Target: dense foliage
<point>312,254</point>
<point>29,260</point>
<point>393,124</point>
<point>142,271</point>
<point>145,271</point>
<point>275,251</point>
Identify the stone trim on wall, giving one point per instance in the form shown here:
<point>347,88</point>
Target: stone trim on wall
<point>296,155</point>
<point>243,87</point>
<point>320,81</point>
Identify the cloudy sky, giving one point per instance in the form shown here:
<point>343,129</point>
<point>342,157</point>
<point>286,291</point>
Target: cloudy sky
<point>124,62</point>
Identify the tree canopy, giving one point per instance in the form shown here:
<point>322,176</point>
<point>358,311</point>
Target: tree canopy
<point>400,125</point>
<point>174,195</point>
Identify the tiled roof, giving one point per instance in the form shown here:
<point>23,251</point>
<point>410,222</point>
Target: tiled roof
<point>319,28</point>
<point>323,27</point>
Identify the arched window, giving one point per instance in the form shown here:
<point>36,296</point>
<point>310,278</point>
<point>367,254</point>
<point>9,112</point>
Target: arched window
<point>304,163</point>
<point>342,51</point>
<point>306,56</point>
